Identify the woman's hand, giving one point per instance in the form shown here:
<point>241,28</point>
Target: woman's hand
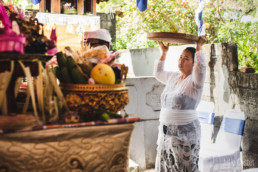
<point>164,49</point>
<point>202,40</point>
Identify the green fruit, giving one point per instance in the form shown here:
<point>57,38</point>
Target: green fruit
<point>85,75</point>
<point>105,116</point>
<point>61,59</point>
<point>58,74</point>
<point>64,74</point>
<point>84,70</point>
<point>71,63</point>
<point>77,76</point>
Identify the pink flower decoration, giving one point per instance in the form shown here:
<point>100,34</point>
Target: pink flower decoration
<point>91,81</point>
<point>110,58</point>
<point>52,51</point>
<point>254,31</point>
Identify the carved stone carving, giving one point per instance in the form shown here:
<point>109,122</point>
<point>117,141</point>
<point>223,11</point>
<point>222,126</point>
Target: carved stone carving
<point>96,148</point>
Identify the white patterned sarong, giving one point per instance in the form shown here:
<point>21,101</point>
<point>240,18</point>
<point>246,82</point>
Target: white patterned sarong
<point>178,148</point>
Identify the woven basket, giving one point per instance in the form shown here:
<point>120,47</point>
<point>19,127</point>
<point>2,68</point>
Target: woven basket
<point>86,99</point>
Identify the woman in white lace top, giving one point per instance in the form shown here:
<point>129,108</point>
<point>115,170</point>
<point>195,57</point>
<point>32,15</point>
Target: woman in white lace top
<point>179,130</point>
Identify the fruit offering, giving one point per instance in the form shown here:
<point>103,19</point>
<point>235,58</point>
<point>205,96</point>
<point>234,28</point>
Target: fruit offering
<point>92,83</point>
<point>68,71</point>
<point>93,66</point>
<point>103,74</point>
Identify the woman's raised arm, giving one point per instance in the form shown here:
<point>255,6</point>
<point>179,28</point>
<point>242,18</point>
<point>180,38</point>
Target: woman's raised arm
<point>159,72</point>
<point>199,69</point>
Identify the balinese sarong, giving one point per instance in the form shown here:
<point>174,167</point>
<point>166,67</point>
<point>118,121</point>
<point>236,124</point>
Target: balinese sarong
<point>178,147</point>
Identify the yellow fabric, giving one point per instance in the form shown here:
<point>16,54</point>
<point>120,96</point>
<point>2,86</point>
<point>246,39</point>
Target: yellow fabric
<point>66,39</point>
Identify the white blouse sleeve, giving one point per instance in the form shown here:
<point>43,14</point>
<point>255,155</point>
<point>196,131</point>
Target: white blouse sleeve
<point>199,69</point>
<point>159,73</point>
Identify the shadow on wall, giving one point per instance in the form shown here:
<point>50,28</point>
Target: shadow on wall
<point>224,59</point>
<point>211,64</point>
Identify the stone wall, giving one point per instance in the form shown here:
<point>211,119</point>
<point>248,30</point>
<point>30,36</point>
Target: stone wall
<point>144,102</point>
<point>230,88</point>
<point>108,21</point>
<point>224,85</point>
<point>30,13</point>
<point>244,91</point>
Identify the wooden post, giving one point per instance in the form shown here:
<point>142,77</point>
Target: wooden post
<point>80,6</point>
<point>42,6</point>
<point>55,6</point>
<point>93,6</point>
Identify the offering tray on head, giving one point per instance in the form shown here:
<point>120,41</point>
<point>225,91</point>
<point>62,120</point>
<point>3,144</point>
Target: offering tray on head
<point>29,60</point>
<point>172,37</point>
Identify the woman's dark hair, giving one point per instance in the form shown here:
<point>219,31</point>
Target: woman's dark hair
<point>191,50</point>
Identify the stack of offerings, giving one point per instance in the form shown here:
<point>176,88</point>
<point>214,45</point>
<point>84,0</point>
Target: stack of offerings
<point>92,83</point>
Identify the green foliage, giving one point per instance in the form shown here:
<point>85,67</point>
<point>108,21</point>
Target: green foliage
<point>244,34</point>
<point>222,19</point>
<point>23,4</point>
<point>226,26</point>
<point>162,15</point>
<point>9,1</point>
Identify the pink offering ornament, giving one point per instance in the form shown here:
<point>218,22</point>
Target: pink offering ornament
<point>53,35</point>
<point>21,14</point>
<point>4,17</point>
<point>10,40</point>
<point>53,40</point>
<point>52,51</point>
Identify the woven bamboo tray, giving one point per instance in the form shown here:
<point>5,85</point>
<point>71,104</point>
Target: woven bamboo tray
<point>172,37</point>
<point>86,98</point>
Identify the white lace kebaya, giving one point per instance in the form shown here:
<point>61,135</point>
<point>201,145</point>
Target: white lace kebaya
<point>187,94</point>
<point>179,130</point>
